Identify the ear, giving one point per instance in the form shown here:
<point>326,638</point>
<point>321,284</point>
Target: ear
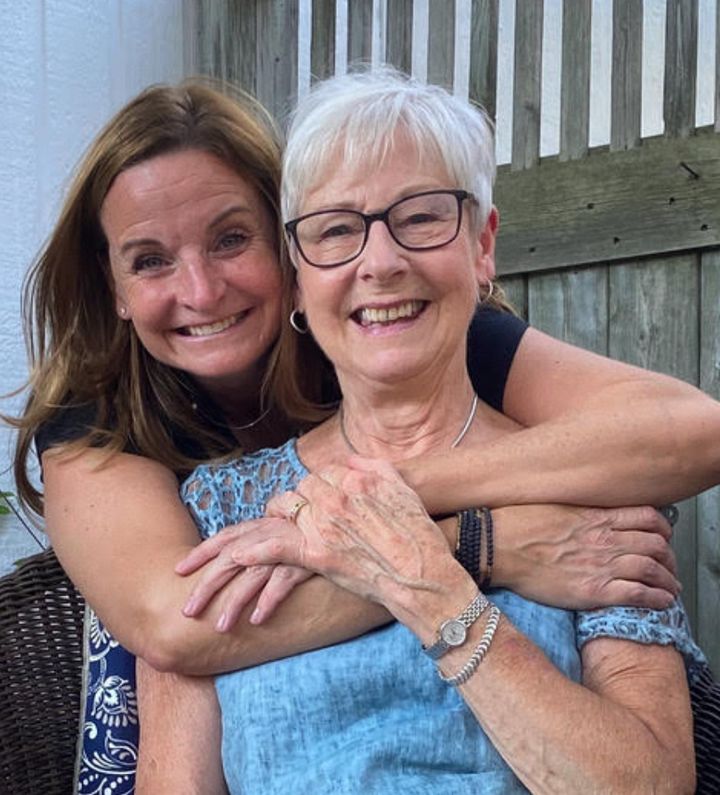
<point>299,302</point>
<point>485,257</point>
<point>121,308</point>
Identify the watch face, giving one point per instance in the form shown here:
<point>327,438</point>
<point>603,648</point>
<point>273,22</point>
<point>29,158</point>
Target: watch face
<point>453,632</point>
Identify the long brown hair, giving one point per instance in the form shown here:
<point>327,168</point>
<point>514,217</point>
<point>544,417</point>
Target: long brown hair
<point>80,351</point>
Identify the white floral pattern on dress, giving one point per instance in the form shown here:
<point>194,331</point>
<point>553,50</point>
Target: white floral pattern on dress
<point>109,752</point>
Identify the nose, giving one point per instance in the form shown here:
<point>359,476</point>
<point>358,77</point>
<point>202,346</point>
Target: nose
<point>202,283</point>
<point>382,258</point>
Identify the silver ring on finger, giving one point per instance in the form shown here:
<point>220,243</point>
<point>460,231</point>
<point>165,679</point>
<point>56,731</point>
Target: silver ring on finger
<point>295,510</point>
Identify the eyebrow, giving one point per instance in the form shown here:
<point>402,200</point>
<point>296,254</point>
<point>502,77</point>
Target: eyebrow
<point>150,241</point>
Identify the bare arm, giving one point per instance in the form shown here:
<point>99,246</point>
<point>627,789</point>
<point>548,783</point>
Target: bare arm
<point>180,735</point>
<point>597,432</point>
<point>120,529</point>
<point>627,728</point>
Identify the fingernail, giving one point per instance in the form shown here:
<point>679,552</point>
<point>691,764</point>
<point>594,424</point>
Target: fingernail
<point>221,625</point>
<point>190,607</point>
<point>257,616</point>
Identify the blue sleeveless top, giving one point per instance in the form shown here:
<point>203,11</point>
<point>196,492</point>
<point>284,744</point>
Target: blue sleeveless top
<point>371,714</point>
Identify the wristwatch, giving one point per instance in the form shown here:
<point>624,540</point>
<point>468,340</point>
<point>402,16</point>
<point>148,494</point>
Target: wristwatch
<point>453,632</point>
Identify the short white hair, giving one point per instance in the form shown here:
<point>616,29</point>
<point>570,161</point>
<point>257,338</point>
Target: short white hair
<point>356,116</point>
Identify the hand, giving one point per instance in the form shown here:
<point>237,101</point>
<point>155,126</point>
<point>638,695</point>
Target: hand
<point>235,585</point>
<point>581,558</point>
<point>363,528</point>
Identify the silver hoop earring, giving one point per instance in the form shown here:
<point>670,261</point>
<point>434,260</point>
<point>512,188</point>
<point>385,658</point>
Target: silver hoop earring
<point>299,322</point>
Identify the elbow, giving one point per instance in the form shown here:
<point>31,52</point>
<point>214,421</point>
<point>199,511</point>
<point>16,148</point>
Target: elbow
<point>166,642</point>
<point>169,648</point>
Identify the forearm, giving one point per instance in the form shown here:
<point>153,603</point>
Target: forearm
<point>627,732</point>
<point>561,737</point>
<point>180,735</point>
<point>634,443</point>
<point>119,531</point>
<point>316,614</point>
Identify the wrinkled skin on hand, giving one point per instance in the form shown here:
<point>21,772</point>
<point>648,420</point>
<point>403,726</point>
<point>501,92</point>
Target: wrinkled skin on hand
<point>581,558</point>
<point>566,556</point>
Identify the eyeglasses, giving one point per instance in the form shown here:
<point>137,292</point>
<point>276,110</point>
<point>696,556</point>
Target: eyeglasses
<point>423,221</point>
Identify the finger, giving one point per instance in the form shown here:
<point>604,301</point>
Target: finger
<point>271,551</point>
<point>219,572</point>
<point>285,506</point>
<point>650,545</point>
<point>239,592</point>
<point>647,571</point>
<point>644,518</point>
<point>205,551</point>
<point>281,583</point>
<point>635,594</point>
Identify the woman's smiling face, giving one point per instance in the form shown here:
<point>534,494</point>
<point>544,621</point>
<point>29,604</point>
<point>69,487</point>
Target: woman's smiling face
<point>193,258</point>
<point>392,314</point>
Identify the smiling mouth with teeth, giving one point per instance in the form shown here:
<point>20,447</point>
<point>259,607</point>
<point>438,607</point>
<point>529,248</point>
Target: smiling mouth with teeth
<point>211,328</point>
<point>368,316</point>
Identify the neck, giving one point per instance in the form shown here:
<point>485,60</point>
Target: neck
<point>396,424</point>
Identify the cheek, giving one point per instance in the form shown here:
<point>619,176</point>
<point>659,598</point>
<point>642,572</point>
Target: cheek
<point>148,305</point>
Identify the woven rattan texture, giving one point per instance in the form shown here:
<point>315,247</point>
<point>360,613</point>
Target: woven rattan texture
<point>41,625</point>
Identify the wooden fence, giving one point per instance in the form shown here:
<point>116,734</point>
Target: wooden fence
<point>617,248</point>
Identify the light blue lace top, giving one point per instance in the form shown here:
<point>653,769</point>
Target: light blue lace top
<point>371,715</point>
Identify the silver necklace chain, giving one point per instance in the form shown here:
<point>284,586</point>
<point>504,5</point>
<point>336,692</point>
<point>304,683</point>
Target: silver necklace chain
<point>247,425</point>
<point>463,431</point>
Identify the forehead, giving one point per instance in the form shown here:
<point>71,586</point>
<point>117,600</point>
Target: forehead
<point>178,182</point>
<point>381,175</point>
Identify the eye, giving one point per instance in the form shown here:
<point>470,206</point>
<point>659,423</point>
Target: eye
<point>419,218</point>
<point>338,230</point>
<point>231,240</point>
<point>148,262</point>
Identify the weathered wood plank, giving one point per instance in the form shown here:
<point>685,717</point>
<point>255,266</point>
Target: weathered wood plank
<point>680,66</point>
<point>575,80</point>
<point>515,289</point>
<point>708,622</point>
<point>572,305</point>
<point>399,33</point>
<point>654,324</point>
<point>322,52</point>
<point>226,42</point>
<point>277,50</point>
<point>717,67</point>
<point>360,30</point>
<point>659,197</point>
<point>483,54</point>
<point>441,42</point>
<point>526,88</point>
<point>626,91</point>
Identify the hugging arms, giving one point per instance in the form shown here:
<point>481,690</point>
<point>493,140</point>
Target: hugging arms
<point>389,307</point>
<point>183,299</point>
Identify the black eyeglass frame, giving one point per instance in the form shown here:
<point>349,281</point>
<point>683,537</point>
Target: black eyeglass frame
<point>370,218</point>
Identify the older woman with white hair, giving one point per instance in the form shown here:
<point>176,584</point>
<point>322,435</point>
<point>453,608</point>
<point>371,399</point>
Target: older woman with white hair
<point>388,196</point>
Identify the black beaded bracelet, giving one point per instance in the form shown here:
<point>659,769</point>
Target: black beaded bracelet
<point>487,525</point>
<point>468,550</point>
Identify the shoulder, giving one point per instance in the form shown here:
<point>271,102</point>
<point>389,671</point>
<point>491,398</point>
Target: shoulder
<point>493,339</point>
<point>220,494</point>
<point>67,424</point>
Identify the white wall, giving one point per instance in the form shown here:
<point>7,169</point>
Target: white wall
<point>65,67</point>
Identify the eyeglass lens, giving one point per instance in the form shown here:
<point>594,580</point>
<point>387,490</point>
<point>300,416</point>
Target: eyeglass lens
<point>417,222</point>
